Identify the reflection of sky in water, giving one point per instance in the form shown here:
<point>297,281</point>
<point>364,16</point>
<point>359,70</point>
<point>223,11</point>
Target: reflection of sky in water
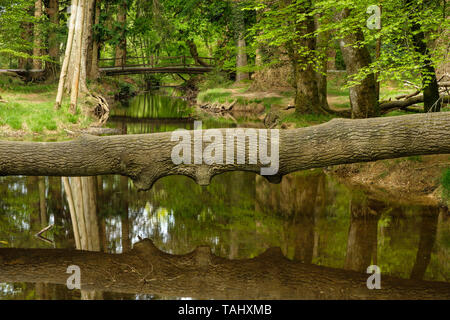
<point>114,232</point>
<point>149,223</point>
<point>8,289</point>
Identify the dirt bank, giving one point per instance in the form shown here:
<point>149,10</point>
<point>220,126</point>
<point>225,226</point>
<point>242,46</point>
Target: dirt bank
<point>413,180</point>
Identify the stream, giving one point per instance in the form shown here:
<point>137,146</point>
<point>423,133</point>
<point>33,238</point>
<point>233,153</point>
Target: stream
<point>310,216</point>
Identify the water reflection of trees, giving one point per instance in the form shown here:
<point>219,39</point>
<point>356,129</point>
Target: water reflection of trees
<point>309,216</point>
<point>145,269</point>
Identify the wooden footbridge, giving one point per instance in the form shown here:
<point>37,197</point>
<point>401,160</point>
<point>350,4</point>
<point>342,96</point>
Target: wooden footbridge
<point>155,64</point>
<point>21,72</point>
<point>141,65</point>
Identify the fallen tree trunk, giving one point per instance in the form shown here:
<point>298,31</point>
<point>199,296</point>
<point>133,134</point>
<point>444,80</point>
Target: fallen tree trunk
<point>403,104</point>
<point>146,158</point>
<point>147,270</point>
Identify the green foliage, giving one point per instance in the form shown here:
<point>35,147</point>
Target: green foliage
<point>214,79</point>
<point>278,27</point>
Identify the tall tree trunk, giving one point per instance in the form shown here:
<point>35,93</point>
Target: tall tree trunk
<point>77,52</point>
<point>258,51</point>
<point>241,59</point>
<point>121,48</point>
<point>51,68</point>
<point>27,36</point>
<point>241,46</point>
<point>37,43</point>
<point>194,53</point>
<point>69,44</point>
<point>94,71</point>
<point>307,98</point>
<point>363,97</point>
<point>74,72</point>
<point>323,49</point>
<point>431,98</point>
<point>86,50</point>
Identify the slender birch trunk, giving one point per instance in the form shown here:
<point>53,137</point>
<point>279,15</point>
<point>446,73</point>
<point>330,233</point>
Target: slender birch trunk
<point>77,51</point>
<point>65,66</point>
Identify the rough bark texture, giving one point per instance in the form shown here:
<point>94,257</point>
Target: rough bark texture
<point>431,99</point>
<point>27,37</point>
<point>37,43</point>
<point>323,48</point>
<point>79,44</point>
<point>146,158</point>
<point>403,104</point>
<point>76,58</point>
<point>93,71</point>
<point>86,56</point>
<point>199,274</point>
<point>241,46</point>
<point>363,97</point>
<point>51,68</point>
<point>65,66</point>
<point>307,99</point>
<point>194,53</point>
<point>241,59</point>
<point>121,48</point>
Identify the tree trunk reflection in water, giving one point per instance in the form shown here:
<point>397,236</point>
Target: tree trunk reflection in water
<point>299,199</point>
<point>55,206</point>
<point>81,195</point>
<point>126,241</point>
<point>362,235</point>
<point>33,194</point>
<point>42,202</point>
<point>428,231</point>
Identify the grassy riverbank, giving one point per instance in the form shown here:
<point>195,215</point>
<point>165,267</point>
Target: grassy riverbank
<point>27,112</point>
<point>245,97</point>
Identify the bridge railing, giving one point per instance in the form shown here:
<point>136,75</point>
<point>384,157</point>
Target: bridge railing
<point>154,62</point>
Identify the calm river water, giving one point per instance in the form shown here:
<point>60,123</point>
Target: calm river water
<point>310,216</point>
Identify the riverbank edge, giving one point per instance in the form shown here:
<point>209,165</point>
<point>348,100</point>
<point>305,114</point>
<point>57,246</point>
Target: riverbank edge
<point>411,180</point>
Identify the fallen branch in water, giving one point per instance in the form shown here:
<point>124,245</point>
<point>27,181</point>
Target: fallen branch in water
<point>41,237</point>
